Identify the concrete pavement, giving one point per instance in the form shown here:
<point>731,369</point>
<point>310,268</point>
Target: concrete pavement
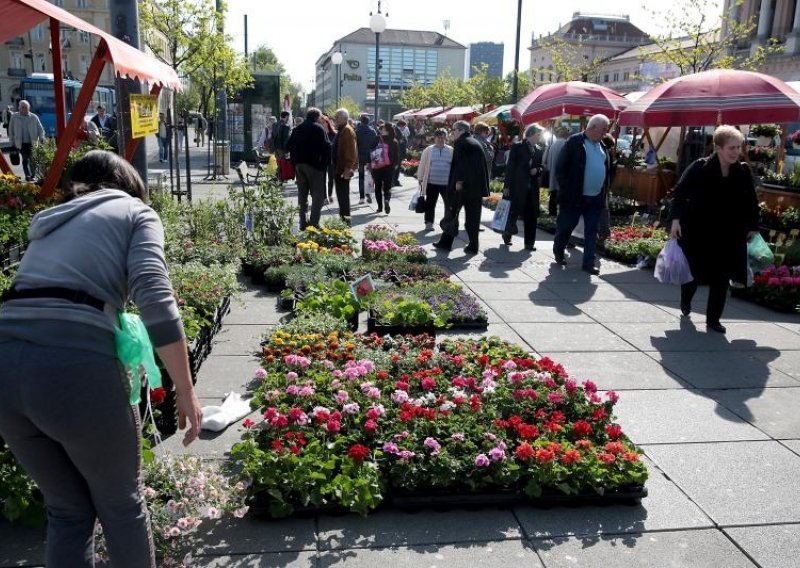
<point>714,414</point>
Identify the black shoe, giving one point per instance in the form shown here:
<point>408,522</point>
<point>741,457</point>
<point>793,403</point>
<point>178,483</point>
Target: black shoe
<point>686,309</point>
<point>470,250</point>
<point>441,246</point>
<point>380,210</point>
<point>591,270</point>
<point>386,206</point>
<point>481,229</point>
<point>507,239</point>
<point>369,199</point>
<point>560,259</point>
<point>570,245</point>
<point>716,326</point>
<point>530,247</point>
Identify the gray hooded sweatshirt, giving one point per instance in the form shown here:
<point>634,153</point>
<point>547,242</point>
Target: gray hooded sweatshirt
<point>105,243</point>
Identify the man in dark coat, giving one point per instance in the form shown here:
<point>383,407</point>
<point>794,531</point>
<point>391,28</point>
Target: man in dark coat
<point>366,139</point>
<point>523,172</point>
<point>107,125</point>
<point>310,153</point>
<point>582,173</point>
<point>467,187</point>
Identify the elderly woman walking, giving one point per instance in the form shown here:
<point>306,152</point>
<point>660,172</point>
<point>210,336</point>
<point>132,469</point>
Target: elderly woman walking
<point>523,171</point>
<point>714,215</point>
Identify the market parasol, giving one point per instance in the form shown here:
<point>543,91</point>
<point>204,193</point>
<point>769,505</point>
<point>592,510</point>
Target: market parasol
<point>574,98</point>
<point>426,112</point>
<point>456,113</point>
<point>494,116</point>
<point>718,96</point>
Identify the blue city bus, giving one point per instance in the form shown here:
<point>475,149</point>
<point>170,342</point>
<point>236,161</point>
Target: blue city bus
<point>39,91</point>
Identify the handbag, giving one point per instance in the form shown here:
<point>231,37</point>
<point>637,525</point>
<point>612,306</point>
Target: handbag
<point>500,219</point>
<point>417,204</point>
<point>379,157</point>
<point>369,183</point>
<point>14,156</point>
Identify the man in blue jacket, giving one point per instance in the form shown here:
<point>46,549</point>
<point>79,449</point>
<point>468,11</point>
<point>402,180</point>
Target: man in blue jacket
<point>310,153</point>
<point>366,139</point>
<point>582,173</point>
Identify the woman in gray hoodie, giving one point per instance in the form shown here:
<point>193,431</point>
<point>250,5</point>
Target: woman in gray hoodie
<point>64,400</point>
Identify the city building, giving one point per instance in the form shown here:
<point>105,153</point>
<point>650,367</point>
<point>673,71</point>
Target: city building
<point>592,37</point>
<point>30,53</point>
<point>406,56</point>
<point>489,53</point>
<point>775,19</point>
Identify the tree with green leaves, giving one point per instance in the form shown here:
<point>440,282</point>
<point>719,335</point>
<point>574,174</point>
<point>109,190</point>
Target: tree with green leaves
<point>415,97</point>
<point>695,41</point>
<point>487,90</point>
<point>570,61</point>
<point>347,103</point>
<point>523,85</point>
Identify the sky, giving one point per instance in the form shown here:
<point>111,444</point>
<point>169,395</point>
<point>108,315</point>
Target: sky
<point>299,31</point>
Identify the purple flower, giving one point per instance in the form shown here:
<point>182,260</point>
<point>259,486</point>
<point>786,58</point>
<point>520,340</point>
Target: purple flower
<point>391,448</point>
<point>433,445</point>
<point>481,460</point>
<point>497,454</point>
<point>458,437</point>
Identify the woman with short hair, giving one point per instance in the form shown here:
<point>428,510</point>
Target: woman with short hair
<point>714,215</point>
<point>523,172</point>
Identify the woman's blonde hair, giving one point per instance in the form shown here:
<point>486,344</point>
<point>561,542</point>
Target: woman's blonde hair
<point>724,133</point>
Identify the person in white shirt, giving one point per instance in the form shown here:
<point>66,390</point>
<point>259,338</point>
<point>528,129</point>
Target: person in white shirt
<point>24,130</point>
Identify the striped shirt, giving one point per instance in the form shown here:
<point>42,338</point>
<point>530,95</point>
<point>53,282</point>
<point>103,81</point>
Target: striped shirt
<point>440,165</point>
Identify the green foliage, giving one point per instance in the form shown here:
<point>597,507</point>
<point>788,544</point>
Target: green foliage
<point>315,322</point>
<point>570,61</point>
<point>272,216</point>
<point>20,500</point>
<point>487,90</point>
<point>349,103</point>
<point>524,86</point>
<point>334,297</point>
<point>44,152</point>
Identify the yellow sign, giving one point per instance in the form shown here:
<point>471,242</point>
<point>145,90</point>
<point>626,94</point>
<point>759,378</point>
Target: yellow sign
<point>144,115</point>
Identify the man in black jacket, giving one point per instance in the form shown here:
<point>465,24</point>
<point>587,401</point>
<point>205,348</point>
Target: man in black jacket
<point>310,154</point>
<point>366,139</point>
<point>281,133</point>
<point>582,173</point>
<point>468,185</point>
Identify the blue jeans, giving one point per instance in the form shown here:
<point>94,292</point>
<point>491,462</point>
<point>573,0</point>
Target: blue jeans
<point>163,148</point>
<point>568,218</point>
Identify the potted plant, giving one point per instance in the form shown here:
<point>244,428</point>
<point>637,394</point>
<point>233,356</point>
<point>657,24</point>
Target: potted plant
<point>765,133</point>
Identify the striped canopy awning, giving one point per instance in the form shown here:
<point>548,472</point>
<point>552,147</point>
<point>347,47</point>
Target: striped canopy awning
<point>571,98</point>
<point>718,96</point>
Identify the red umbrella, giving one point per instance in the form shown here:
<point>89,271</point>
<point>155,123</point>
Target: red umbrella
<point>719,96</point>
<point>574,98</point>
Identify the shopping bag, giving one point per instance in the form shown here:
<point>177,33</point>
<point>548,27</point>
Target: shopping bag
<point>420,207</point>
<point>379,157</point>
<point>369,183</point>
<point>135,353</point>
<point>500,219</point>
<point>672,267</point>
<point>14,158</point>
<point>759,255</point>
<point>412,205</point>
<point>285,169</point>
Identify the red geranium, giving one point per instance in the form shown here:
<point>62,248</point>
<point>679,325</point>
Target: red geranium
<point>159,395</point>
<point>358,452</point>
<point>614,431</point>
<point>524,452</point>
<point>571,456</point>
<point>582,428</point>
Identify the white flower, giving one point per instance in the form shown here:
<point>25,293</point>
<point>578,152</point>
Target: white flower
<point>213,513</point>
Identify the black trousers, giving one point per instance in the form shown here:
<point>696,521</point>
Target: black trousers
<point>552,203</point>
<point>473,206</point>
<point>343,196</point>
<point>362,163</point>
<point>528,209</point>
<point>383,185</point>
<point>717,295</point>
<point>432,193</point>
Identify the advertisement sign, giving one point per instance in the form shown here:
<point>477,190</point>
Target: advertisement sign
<point>144,115</point>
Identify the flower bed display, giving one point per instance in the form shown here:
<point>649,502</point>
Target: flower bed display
<point>393,251</point>
<point>409,167</point>
<point>634,244</point>
<point>437,303</point>
<point>354,421</point>
<point>776,287</point>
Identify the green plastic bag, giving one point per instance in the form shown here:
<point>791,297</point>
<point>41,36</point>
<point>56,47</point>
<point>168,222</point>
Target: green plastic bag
<point>135,352</point>
<point>759,255</point>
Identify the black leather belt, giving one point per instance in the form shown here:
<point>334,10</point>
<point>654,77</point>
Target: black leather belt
<point>55,292</point>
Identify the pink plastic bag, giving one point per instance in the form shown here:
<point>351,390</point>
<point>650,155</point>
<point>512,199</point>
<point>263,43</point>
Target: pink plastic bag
<point>672,266</point>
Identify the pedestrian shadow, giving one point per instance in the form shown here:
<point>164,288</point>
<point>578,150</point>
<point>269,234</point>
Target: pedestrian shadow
<point>571,286</point>
<point>736,370</point>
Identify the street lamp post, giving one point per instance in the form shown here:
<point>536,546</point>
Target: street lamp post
<point>337,59</point>
<point>377,23</point>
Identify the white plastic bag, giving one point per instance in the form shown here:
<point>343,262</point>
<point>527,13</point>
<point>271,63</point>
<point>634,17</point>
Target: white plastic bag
<point>672,266</point>
<point>217,418</point>
<point>369,183</point>
<point>500,219</point>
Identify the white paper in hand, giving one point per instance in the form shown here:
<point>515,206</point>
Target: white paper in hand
<point>217,418</point>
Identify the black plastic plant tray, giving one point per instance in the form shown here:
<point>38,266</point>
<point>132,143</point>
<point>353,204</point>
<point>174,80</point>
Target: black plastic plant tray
<point>476,325</point>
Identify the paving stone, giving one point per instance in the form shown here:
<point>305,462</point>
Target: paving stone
<point>787,362</point>
<point>619,370</point>
<point>793,445</point>
<point>657,292</point>
<point>397,528</point>
<point>489,291</point>
<point>221,374</point>
<point>21,546</point>
<point>522,311</point>
<point>272,560</point>
<point>552,273</point>
<point>773,546</point>
<point>239,339</point>
<point>254,536</point>
<point>489,554</point>
<point>664,508</point>
<point>583,292</point>
<point>494,274</point>
<point>795,327</point>
<point>626,275</point>
<point>573,337</point>
<point>626,312</point>
<point>262,312</point>
<point>685,335</point>
<point>698,549</point>
<point>679,416</point>
<point>212,445</point>
<point>735,483</point>
<point>725,369</point>
<point>733,312</point>
<point>773,410</point>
